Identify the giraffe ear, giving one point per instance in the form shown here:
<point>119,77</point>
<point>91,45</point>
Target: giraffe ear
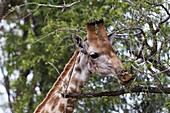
<point>79,43</point>
<point>111,37</point>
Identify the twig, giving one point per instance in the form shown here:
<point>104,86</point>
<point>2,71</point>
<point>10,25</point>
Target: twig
<point>64,6</point>
<point>43,37</point>
<point>117,33</point>
<point>160,4</point>
<point>163,21</point>
<point>54,67</point>
<point>57,30</point>
<point>30,13</point>
<point>51,6</point>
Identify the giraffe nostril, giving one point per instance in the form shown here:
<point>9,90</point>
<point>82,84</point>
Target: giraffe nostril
<point>123,71</point>
<point>110,66</point>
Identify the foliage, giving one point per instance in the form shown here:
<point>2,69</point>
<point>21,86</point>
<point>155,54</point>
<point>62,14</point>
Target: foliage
<point>33,36</point>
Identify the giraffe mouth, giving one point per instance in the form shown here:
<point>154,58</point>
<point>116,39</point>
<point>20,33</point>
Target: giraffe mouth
<point>124,77</point>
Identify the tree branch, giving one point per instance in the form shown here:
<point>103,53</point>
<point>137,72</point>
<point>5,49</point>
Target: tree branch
<point>161,67</point>
<point>136,89</point>
<point>163,21</point>
<point>63,7</point>
<point>52,6</point>
<point>116,34</point>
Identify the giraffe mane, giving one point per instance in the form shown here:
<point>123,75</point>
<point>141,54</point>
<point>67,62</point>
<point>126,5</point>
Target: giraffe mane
<point>59,80</point>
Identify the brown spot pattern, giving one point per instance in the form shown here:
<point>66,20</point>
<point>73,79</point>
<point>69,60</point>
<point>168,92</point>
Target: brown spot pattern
<point>69,109</point>
<point>55,102</point>
<point>71,101</point>
<point>44,111</point>
<point>81,85</point>
<point>74,80</point>
<point>78,69</point>
<point>61,107</point>
<point>73,90</point>
<point>78,59</point>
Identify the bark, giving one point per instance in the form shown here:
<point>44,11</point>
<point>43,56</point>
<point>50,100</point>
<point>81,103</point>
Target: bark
<point>136,89</point>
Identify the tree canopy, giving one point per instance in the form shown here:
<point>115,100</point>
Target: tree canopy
<point>36,43</point>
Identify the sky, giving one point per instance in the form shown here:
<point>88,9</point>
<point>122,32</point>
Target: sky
<point>3,94</point>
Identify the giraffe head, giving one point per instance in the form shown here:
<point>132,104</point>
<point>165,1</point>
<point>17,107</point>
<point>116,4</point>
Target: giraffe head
<point>99,55</point>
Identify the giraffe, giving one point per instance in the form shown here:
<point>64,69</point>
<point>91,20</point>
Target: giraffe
<point>94,55</point>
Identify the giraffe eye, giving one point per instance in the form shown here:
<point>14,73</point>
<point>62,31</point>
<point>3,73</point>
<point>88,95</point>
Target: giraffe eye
<point>94,55</point>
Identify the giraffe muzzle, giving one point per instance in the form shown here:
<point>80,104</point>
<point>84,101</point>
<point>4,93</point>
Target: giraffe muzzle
<point>124,76</point>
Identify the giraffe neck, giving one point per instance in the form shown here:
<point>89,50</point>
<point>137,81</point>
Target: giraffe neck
<point>71,80</point>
